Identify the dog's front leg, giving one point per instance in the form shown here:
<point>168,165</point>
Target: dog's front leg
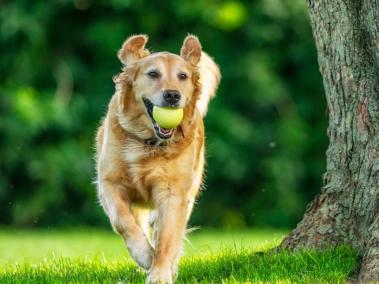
<point>171,225</point>
<point>116,204</point>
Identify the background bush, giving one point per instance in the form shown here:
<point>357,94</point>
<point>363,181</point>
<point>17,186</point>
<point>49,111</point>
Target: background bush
<point>265,130</point>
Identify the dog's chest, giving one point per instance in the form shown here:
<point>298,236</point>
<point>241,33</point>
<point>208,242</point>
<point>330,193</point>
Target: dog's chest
<point>134,152</point>
<point>144,165</point>
<point>147,168</point>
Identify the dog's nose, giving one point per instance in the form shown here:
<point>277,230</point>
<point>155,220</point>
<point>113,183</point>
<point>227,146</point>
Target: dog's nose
<point>171,96</point>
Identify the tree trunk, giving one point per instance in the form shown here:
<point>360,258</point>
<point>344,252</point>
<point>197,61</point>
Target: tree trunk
<point>347,209</point>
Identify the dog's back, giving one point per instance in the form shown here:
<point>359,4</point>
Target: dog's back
<point>210,77</point>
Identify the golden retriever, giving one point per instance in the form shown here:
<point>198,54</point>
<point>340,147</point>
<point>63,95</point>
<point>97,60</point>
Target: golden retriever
<point>148,177</point>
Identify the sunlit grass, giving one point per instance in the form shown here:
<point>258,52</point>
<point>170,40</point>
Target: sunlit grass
<point>98,256</point>
<point>33,246</point>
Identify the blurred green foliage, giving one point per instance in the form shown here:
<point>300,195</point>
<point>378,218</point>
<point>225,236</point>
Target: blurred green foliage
<point>265,130</point>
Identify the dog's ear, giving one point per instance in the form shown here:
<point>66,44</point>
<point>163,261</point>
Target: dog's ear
<point>133,49</point>
<point>191,49</point>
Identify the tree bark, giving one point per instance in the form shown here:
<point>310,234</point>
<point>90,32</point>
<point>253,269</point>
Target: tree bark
<point>347,209</point>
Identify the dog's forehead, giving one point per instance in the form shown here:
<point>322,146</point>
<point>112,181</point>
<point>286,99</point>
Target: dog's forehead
<point>164,58</point>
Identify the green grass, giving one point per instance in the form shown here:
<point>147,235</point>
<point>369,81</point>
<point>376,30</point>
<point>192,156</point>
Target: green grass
<point>97,256</point>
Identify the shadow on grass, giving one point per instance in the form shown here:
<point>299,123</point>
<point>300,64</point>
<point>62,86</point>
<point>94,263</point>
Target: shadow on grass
<point>332,265</point>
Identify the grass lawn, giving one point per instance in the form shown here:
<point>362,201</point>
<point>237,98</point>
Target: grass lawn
<point>98,256</point>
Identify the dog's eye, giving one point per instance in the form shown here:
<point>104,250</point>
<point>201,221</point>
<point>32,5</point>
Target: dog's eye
<point>182,76</point>
<point>153,74</point>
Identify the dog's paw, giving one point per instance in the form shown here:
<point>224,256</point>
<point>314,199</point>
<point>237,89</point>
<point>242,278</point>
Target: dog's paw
<point>159,276</point>
<point>141,251</point>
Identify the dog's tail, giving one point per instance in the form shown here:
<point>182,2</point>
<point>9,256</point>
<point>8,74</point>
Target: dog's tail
<point>210,77</point>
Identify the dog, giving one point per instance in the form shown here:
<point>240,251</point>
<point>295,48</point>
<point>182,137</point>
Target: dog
<point>148,177</point>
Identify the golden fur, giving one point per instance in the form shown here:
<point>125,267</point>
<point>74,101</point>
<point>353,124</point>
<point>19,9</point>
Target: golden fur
<point>136,179</point>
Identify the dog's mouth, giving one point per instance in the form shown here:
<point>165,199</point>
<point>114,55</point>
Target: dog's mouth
<point>163,133</point>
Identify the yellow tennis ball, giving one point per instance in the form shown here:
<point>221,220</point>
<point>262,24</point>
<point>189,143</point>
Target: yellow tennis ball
<point>167,117</point>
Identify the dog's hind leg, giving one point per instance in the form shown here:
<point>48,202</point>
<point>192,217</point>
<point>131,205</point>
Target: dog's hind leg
<point>116,204</point>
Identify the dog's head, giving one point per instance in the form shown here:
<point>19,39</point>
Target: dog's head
<point>158,79</point>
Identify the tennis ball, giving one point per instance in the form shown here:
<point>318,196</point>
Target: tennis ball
<point>167,117</point>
